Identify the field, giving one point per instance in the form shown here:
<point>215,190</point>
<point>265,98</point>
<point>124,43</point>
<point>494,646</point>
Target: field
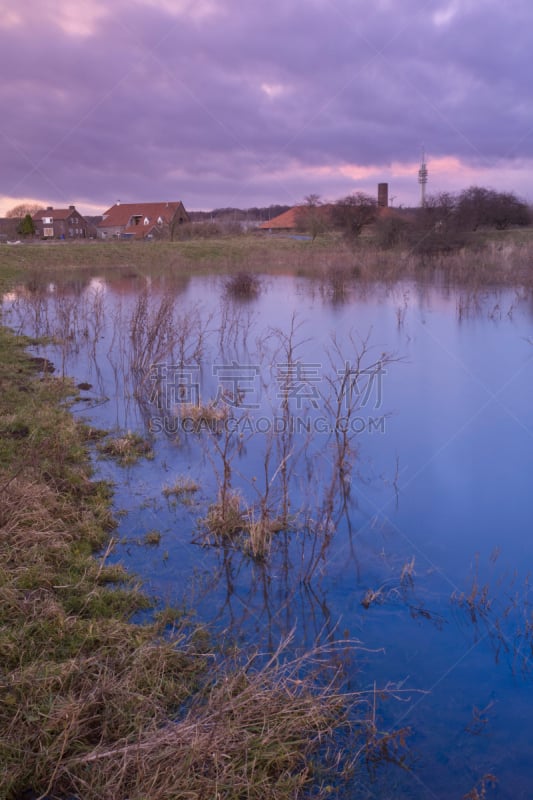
<point>494,257</point>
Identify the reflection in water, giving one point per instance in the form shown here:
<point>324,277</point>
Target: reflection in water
<point>352,450</point>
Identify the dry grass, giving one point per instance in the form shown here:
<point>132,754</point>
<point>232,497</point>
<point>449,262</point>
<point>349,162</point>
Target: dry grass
<point>126,449</point>
<point>96,707</point>
<point>259,533</point>
<point>182,488</point>
<point>152,538</point>
<point>225,518</point>
<point>231,522</point>
<point>490,257</point>
<point>252,734</point>
<point>207,417</point>
<point>479,792</point>
<point>208,412</point>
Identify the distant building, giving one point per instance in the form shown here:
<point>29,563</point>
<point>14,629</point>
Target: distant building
<point>296,218</point>
<point>142,220</point>
<point>383,195</point>
<point>9,228</point>
<point>92,225</point>
<point>60,223</point>
<point>288,221</point>
<point>423,179</point>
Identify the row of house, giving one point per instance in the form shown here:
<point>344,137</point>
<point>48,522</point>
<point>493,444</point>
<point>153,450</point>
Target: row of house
<point>121,221</point>
<point>138,221</point>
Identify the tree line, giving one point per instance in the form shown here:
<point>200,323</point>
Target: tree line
<point>443,222</point>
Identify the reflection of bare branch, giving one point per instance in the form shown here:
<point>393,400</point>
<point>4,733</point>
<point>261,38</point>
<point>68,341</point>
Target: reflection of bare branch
<point>344,399</point>
<point>504,615</point>
<point>161,338</point>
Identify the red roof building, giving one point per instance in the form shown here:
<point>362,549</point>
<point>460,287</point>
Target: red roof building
<point>283,222</point>
<point>142,220</point>
<point>296,218</point>
<point>60,223</point>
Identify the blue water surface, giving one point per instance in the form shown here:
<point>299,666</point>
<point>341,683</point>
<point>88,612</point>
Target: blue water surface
<point>424,559</point>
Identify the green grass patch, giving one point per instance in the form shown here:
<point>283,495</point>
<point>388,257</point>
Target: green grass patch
<point>486,257</point>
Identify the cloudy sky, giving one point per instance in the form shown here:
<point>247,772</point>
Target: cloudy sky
<point>233,103</point>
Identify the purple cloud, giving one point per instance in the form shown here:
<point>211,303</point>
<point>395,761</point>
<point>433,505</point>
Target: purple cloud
<point>222,105</point>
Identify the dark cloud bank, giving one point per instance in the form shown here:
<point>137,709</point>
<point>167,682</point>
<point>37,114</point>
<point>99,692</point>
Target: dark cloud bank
<point>220,103</point>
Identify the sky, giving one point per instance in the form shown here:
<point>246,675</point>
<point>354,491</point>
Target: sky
<point>227,103</point>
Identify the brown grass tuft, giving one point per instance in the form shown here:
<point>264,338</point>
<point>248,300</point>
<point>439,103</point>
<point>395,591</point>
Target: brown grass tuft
<point>95,706</point>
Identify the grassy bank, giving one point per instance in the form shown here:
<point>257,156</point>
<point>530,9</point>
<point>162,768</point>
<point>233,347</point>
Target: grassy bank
<point>494,257</point>
<point>200,255</point>
<point>93,705</point>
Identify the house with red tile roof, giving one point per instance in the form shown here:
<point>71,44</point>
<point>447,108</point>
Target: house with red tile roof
<point>137,221</point>
<point>295,218</point>
<point>60,223</point>
<point>283,222</point>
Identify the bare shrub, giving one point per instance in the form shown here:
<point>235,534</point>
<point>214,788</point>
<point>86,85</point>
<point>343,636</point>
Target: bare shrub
<point>243,286</point>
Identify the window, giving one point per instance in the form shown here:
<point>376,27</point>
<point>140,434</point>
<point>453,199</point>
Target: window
<point>48,232</point>
<point>47,220</point>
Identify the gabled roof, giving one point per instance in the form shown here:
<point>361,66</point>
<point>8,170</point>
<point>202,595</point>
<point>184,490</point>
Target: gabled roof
<point>285,221</point>
<point>295,217</point>
<point>56,213</point>
<point>138,231</point>
<point>120,214</point>
<point>289,219</point>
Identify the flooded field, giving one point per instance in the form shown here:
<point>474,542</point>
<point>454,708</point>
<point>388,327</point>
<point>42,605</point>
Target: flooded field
<point>328,461</point>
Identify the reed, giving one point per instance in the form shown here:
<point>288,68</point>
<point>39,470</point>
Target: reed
<point>97,707</point>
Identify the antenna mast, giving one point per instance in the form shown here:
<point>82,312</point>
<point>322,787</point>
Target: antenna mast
<point>423,178</point>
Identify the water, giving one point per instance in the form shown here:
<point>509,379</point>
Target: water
<point>411,533</point>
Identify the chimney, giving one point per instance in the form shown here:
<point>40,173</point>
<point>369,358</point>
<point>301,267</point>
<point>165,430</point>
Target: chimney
<point>71,208</point>
<point>49,208</point>
<point>383,195</point>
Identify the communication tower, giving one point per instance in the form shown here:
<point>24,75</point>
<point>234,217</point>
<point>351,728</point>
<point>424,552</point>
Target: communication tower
<point>423,178</point>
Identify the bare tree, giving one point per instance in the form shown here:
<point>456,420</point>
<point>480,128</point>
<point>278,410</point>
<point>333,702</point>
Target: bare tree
<point>313,217</point>
<point>352,213</point>
<point>22,210</point>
